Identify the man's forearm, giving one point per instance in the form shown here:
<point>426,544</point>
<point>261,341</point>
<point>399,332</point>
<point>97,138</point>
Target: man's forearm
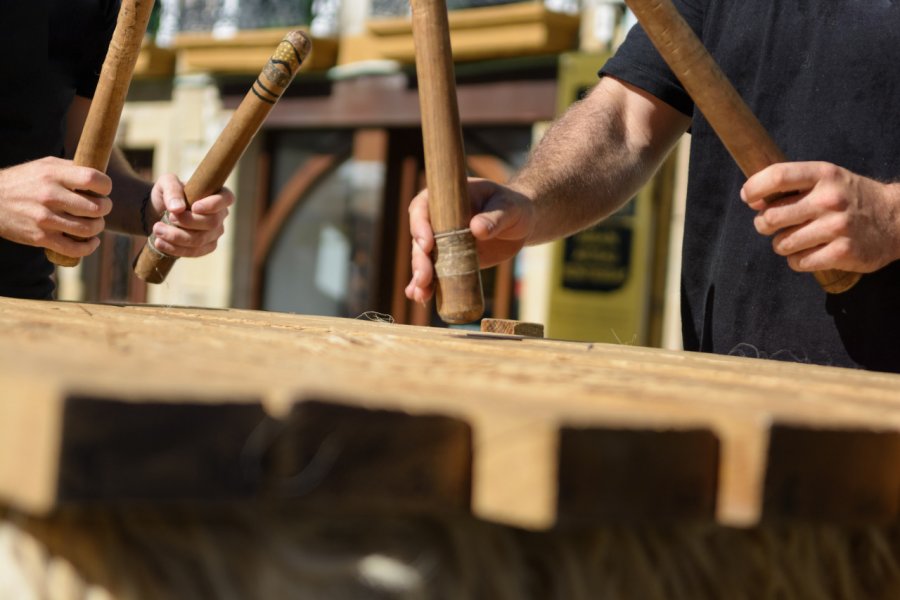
<point>596,157</point>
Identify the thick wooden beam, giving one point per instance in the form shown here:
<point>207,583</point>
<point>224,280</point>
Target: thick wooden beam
<point>530,432</point>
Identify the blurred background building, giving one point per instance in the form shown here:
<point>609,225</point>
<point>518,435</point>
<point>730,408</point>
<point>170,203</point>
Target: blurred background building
<point>321,226</point>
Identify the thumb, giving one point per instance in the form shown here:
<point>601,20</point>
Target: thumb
<point>486,226</point>
<point>172,191</point>
<point>502,218</point>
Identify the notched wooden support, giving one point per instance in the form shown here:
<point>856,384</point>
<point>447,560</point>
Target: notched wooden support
<point>332,454</point>
<point>113,451</point>
<point>836,476</point>
<point>625,475</point>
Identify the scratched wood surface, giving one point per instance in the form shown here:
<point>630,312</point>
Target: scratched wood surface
<point>106,403</point>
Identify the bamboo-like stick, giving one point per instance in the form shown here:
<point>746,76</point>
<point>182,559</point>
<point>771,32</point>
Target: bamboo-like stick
<point>459,295</point>
<point>99,133</point>
<point>152,265</point>
<point>737,127</point>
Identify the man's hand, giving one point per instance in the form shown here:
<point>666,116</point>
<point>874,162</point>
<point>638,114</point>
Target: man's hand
<point>830,219</point>
<point>503,219</point>
<point>38,205</point>
<point>190,232</point>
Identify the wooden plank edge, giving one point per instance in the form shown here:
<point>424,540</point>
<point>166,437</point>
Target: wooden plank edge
<point>31,414</point>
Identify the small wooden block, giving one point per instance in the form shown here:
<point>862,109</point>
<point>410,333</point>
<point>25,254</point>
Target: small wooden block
<point>511,327</point>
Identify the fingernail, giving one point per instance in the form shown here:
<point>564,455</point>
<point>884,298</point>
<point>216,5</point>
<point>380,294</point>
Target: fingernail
<point>743,195</point>
<point>420,243</point>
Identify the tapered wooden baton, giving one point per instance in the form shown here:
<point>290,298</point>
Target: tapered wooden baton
<point>737,127</point>
<point>99,133</point>
<point>152,265</point>
<point>459,295</point>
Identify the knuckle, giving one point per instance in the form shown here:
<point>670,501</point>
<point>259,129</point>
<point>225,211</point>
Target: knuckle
<point>43,216</point>
<point>91,227</point>
<point>39,237</point>
<point>767,221</point>
<point>46,179</point>
<point>840,225</point>
<point>842,248</point>
<point>795,263</point>
<point>830,172</point>
<point>84,178</point>
<point>777,178</point>
<point>759,224</point>
<point>781,246</point>
<point>104,206</point>
<point>832,200</point>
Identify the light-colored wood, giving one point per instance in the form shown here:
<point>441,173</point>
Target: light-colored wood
<point>59,361</point>
<point>31,430</point>
<point>458,280</point>
<point>519,29</point>
<point>512,327</point>
<point>102,123</point>
<point>243,52</point>
<point>737,127</point>
<point>213,170</point>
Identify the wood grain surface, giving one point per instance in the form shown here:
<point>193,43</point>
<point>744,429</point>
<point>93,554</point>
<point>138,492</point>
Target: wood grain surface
<point>522,431</point>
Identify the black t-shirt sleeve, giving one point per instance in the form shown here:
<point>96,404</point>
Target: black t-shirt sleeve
<point>637,62</point>
<point>98,41</point>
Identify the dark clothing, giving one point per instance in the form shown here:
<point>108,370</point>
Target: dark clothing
<point>50,50</point>
<point>821,77</point>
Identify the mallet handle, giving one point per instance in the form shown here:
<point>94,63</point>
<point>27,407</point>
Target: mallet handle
<point>99,133</point>
<point>153,266</point>
<point>737,127</point>
<point>459,295</point>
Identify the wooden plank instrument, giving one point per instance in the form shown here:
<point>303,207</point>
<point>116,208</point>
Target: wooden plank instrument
<point>737,127</point>
<point>327,416</point>
<point>458,279</point>
<point>553,432</point>
<point>99,134</point>
<point>152,265</point>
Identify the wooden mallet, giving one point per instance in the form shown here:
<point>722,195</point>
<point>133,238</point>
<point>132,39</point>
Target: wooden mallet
<point>152,265</point>
<point>99,133</point>
<point>737,127</point>
<point>458,289</point>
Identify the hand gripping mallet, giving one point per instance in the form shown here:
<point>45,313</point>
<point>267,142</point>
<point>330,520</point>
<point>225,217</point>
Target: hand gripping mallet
<point>739,130</point>
<point>99,133</point>
<point>152,265</point>
<point>458,289</point>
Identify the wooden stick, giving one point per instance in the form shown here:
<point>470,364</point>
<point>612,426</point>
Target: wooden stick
<point>99,133</point>
<point>737,127</point>
<point>152,265</point>
<point>458,290</point>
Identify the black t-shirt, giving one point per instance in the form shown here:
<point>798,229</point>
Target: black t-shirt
<point>50,50</point>
<point>821,75</point>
